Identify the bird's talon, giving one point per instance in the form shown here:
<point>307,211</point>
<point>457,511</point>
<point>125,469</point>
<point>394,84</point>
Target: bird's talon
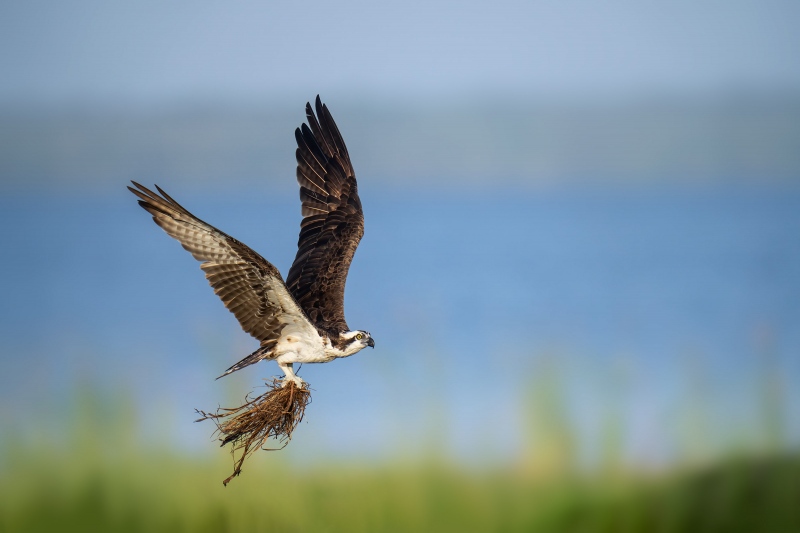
<point>299,383</point>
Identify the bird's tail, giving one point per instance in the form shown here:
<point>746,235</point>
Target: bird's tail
<point>254,357</point>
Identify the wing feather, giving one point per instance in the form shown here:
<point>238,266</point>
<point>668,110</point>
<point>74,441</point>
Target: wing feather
<point>333,221</point>
<point>249,285</point>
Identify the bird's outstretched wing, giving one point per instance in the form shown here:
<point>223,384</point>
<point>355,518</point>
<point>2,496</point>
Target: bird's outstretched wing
<point>249,286</point>
<point>333,222</point>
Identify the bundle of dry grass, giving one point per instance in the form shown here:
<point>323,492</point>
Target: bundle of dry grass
<point>274,414</point>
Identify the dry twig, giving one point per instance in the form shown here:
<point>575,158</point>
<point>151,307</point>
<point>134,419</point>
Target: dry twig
<point>274,414</point>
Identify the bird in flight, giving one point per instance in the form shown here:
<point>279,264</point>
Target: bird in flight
<point>302,319</point>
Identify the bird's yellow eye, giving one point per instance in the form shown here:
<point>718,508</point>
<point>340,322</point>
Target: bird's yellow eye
<point>359,336</point>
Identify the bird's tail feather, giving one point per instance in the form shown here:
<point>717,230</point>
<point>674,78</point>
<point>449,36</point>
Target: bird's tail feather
<point>254,357</point>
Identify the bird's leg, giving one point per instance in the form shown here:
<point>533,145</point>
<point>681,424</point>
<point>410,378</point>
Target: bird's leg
<point>288,369</point>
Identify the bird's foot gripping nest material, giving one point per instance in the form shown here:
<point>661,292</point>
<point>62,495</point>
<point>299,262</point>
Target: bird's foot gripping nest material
<point>274,414</point>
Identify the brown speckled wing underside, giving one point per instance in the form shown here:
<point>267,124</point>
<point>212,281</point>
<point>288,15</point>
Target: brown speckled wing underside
<point>249,286</point>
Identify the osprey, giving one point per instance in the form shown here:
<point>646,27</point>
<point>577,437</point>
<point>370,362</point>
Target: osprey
<point>302,319</point>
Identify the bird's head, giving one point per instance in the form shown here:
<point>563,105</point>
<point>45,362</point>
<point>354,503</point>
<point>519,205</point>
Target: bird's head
<point>351,342</point>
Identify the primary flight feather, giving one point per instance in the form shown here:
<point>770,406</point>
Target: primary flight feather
<point>301,320</point>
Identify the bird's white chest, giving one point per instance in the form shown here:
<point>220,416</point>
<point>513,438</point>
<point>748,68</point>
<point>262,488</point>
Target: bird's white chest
<point>297,347</point>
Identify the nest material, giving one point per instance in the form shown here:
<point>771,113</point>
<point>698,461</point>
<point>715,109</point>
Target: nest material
<point>273,414</point>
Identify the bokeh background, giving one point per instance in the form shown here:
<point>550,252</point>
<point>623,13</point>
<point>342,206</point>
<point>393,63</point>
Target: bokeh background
<point>581,264</point>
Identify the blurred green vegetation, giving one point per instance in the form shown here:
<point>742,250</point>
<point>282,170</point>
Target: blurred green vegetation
<point>161,492</point>
<point>100,477</point>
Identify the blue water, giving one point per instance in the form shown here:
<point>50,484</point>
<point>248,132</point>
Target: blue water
<point>459,289</point>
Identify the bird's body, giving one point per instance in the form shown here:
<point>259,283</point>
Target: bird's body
<point>301,320</point>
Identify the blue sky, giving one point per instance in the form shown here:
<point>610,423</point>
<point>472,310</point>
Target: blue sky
<point>647,275</point>
<point>153,51</point>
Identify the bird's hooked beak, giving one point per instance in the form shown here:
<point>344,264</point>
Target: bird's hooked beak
<point>370,342</point>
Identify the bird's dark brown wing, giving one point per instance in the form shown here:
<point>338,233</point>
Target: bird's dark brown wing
<point>249,286</point>
<point>333,222</point>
